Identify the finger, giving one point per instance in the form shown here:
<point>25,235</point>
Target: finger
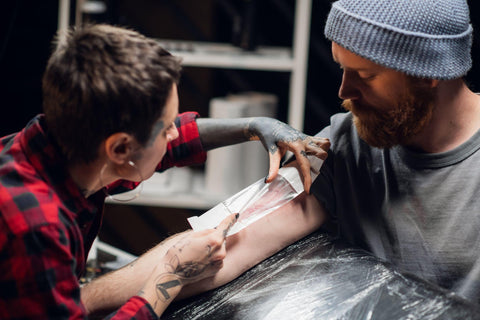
<point>304,165</point>
<point>313,150</point>
<point>274,165</point>
<point>322,145</point>
<point>219,254</point>
<point>321,141</point>
<point>227,223</point>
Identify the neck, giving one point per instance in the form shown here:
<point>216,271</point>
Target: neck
<point>455,119</point>
<point>87,177</point>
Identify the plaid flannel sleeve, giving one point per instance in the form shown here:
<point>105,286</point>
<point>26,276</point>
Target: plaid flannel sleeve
<point>38,281</point>
<point>187,149</point>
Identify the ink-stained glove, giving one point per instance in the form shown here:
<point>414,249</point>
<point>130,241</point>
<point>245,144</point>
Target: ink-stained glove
<point>278,138</point>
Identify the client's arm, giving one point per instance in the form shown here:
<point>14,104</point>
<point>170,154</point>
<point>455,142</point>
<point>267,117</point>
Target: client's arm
<point>263,238</point>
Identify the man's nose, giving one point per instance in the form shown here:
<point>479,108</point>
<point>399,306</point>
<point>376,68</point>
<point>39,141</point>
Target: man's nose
<point>349,87</point>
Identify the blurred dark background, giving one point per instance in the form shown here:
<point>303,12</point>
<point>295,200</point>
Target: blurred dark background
<point>27,28</point>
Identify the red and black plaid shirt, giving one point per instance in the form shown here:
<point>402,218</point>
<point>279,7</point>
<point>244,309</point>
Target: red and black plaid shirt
<point>47,226</point>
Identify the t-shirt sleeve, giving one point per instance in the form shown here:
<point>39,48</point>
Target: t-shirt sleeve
<point>322,188</point>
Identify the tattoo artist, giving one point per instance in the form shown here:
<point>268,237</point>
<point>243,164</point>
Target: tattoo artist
<point>110,121</point>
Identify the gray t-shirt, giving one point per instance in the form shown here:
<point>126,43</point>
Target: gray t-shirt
<point>419,211</point>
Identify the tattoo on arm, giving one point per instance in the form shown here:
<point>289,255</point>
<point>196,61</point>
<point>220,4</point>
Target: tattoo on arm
<point>163,287</point>
<point>189,269</point>
<point>183,270</point>
<point>281,132</point>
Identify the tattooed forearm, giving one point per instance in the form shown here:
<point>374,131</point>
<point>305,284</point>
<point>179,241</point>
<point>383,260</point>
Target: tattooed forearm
<point>215,133</point>
<point>172,279</point>
<point>163,289</point>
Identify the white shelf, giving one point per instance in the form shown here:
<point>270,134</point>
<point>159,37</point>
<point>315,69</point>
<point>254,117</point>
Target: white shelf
<point>294,60</point>
<point>222,55</point>
<point>182,201</point>
<point>176,188</point>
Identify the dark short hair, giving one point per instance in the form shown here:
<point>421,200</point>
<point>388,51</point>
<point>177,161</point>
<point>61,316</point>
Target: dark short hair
<point>101,80</point>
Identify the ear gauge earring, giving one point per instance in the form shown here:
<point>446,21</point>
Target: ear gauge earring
<point>126,196</point>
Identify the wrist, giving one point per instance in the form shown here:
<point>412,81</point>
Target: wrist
<point>252,129</point>
<point>161,290</point>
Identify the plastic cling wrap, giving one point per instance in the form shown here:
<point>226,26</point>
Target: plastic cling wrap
<point>257,200</point>
<point>322,278</point>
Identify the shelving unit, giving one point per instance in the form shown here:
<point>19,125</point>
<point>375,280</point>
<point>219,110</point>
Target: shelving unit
<point>294,60</point>
<point>221,55</point>
<point>216,55</point>
<point>158,192</point>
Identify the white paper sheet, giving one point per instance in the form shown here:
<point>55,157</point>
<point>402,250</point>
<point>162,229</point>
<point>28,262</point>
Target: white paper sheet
<point>257,200</point>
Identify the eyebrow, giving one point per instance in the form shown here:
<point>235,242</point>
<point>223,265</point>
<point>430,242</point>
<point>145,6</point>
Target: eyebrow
<point>367,69</point>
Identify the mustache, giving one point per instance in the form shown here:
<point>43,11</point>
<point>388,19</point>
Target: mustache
<point>356,107</point>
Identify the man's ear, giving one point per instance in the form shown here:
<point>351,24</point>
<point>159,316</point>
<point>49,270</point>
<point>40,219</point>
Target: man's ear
<point>119,147</point>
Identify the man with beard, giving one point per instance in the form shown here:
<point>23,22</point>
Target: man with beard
<point>401,178</point>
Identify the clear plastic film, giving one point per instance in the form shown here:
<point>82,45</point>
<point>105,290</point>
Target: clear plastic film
<point>257,200</point>
<point>320,277</point>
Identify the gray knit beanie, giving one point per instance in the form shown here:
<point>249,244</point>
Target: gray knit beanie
<point>423,38</point>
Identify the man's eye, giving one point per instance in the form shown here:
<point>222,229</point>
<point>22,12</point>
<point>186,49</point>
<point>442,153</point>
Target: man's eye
<point>367,77</point>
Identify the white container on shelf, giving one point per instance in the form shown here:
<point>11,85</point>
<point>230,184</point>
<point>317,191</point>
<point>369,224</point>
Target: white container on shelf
<point>230,169</point>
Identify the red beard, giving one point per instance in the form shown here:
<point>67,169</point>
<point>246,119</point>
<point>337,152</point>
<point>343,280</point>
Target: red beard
<point>388,126</point>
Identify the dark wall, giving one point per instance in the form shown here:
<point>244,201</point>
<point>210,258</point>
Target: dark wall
<point>26,30</point>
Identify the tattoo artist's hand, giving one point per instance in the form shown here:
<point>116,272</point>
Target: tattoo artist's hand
<point>195,256</point>
<point>200,254</point>
<point>278,138</point>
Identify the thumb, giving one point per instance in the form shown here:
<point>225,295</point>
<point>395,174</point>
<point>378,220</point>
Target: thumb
<point>227,223</point>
